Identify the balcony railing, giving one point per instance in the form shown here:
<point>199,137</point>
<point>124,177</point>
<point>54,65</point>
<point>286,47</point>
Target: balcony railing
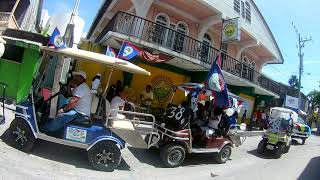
<point>171,39</point>
<point>4,16</point>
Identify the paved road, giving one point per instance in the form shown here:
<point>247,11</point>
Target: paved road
<point>52,161</point>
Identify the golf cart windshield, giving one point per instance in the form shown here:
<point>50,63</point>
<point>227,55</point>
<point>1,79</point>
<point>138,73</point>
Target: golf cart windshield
<point>281,119</point>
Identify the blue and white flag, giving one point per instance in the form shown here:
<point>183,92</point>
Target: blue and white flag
<point>110,52</point>
<point>216,83</point>
<point>56,39</point>
<point>128,51</point>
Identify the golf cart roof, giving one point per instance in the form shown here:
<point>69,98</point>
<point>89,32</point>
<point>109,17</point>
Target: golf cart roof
<point>98,58</point>
<point>285,110</point>
<point>192,87</point>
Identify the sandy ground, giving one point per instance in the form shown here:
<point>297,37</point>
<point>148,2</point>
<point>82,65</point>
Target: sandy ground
<point>53,161</point>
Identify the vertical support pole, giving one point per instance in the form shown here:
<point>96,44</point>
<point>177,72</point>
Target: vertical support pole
<point>56,87</point>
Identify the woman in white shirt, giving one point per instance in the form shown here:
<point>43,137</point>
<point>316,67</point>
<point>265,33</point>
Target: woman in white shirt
<point>118,103</point>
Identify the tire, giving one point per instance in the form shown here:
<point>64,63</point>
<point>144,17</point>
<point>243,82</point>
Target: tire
<point>21,136</point>
<point>262,146</point>
<point>287,148</point>
<point>224,154</point>
<point>104,156</point>
<point>280,150</point>
<point>172,155</point>
<point>303,141</point>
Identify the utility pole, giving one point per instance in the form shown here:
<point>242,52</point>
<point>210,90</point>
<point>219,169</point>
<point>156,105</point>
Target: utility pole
<point>301,42</point>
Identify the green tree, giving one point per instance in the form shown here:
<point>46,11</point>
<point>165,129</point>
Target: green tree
<point>294,82</point>
<point>314,97</point>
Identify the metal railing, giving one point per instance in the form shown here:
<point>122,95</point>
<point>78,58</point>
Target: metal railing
<point>155,33</point>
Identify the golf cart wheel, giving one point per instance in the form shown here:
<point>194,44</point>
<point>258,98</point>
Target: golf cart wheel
<point>104,156</point>
<point>303,141</point>
<point>262,146</point>
<point>287,148</point>
<point>224,154</point>
<point>279,150</point>
<point>21,136</point>
<point>172,155</point>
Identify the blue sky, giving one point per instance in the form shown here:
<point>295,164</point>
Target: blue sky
<point>279,14</point>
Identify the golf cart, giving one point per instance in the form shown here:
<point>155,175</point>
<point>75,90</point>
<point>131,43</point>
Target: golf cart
<point>277,138</point>
<point>301,130</point>
<point>101,138</point>
<point>173,134</point>
<point>3,86</point>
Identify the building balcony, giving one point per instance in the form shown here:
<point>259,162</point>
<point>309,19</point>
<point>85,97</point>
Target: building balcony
<point>7,20</point>
<point>177,44</point>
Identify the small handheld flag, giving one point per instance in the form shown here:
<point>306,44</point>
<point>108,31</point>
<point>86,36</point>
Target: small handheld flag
<point>111,52</point>
<point>128,51</point>
<point>56,39</point>
<point>216,83</point>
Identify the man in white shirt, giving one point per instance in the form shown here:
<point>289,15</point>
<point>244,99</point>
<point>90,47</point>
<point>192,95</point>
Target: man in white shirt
<point>147,97</point>
<point>94,90</point>
<point>78,107</point>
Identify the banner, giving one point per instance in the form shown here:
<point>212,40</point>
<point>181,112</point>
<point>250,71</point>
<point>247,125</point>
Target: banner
<point>231,30</point>
<point>292,102</point>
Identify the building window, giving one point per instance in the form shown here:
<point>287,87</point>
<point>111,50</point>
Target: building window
<point>182,30</point>
<point>206,52</point>
<point>236,6</point>
<point>160,29</point>
<point>242,9</point>
<point>248,11</point>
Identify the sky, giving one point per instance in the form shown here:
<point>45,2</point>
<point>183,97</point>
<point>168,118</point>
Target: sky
<point>279,15</point>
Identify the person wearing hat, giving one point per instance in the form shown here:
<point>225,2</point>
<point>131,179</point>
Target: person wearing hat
<point>78,107</point>
<point>94,90</point>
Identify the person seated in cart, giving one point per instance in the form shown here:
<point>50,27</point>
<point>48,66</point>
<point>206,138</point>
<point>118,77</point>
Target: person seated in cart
<point>117,103</point>
<point>79,106</point>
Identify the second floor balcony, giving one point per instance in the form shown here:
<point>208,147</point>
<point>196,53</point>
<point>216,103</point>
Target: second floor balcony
<point>177,41</point>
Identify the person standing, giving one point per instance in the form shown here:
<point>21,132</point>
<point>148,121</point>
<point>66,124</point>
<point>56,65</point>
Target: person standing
<point>244,116</point>
<point>94,90</point>
<point>263,120</point>
<point>259,117</point>
<point>147,97</point>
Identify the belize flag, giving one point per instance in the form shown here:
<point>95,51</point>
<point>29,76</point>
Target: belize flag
<point>128,51</point>
<point>216,83</point>
<point>56,39</point>
<point>111,52</point>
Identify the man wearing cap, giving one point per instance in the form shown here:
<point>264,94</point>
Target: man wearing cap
<point>78,107</point>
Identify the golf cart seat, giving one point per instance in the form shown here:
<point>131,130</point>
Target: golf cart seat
<point>84,121</point>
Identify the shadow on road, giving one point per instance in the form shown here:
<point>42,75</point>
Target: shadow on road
<point>152,157</point>
<point>311,171</point>
<point>265,155</point>
<point>64,154</point>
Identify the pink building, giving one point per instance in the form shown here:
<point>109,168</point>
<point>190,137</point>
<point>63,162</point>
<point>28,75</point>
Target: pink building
<point>189,31</point>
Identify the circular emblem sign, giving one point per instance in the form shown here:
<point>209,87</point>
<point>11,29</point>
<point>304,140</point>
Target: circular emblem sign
<point>230,29</point>
<point>162,87</point>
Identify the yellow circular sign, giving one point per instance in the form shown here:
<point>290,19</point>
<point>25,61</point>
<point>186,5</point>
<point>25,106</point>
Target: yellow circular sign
<point>230,29</point>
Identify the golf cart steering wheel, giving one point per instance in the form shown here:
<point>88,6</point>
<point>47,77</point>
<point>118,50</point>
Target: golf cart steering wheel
<point>63,90</point>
